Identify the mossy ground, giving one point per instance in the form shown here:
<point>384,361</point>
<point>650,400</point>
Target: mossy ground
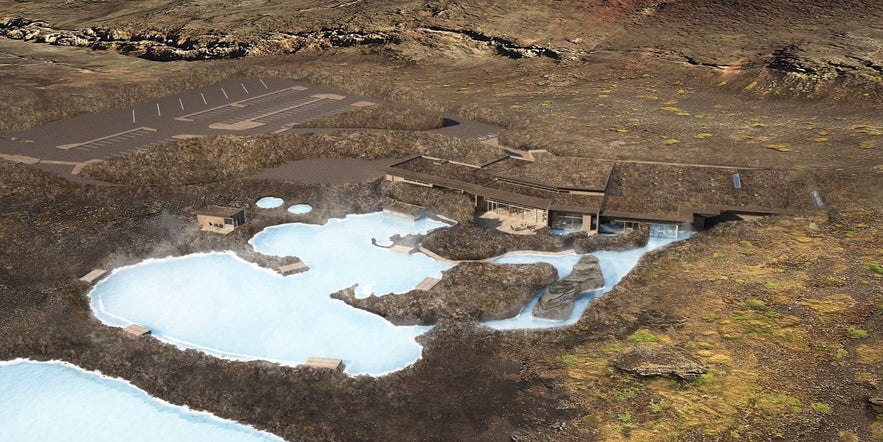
<point>745,329</point>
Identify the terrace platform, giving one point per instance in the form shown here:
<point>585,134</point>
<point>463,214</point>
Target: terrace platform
<point>137,330</point>
<point>427,284</point>
<point>508,224</point>
<point>325,363</point>
<point>93,276</point>
<point>293,268</point>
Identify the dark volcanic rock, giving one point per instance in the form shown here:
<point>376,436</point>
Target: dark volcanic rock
<point>790,59</point>
<point>468,241</point>
<point>632,240</point>
<point>557,302</point>
<point>661,361</point>
<point>467,292</point>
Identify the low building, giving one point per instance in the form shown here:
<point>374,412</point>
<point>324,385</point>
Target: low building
<point>582,194</point>
<point>220,219</point>
<point>562,193</point>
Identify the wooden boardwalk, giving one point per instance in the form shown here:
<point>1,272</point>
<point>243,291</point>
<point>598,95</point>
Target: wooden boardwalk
<point>93,276</point>
<point>325,363</point>
<point>137,330</point>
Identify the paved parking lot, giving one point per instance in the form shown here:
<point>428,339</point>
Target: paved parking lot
<point>258,105</point>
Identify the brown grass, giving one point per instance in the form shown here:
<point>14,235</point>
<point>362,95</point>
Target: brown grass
<point>211,159</point>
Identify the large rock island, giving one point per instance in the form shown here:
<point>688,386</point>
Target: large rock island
<point>557,302</point>
<point>469,291</point>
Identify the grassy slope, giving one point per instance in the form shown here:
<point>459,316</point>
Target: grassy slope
<point>210,159</point>
<point>769,308</point>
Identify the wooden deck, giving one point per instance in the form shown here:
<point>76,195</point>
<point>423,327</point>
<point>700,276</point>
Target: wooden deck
<point>93,276</point>
<point>291,269</point>
<point>137,330</point>
<point>325,363</point>
<point>400,248</point>
<point>427,284</point>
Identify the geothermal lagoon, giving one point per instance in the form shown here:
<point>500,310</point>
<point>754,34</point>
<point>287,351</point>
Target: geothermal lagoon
<point>59,401</point>
<point>225,306</point>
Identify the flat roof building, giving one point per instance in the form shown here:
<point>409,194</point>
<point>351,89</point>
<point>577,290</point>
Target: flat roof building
<point>564,193</point>
<point>579,194</point>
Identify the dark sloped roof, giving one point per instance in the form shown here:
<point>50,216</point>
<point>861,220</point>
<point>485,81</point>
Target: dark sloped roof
<point>479,182</point>
<point>566,173</point>
<point>553,200</point>
<point>465,152</point>
<point>444,169</point>
<point>640,188</point>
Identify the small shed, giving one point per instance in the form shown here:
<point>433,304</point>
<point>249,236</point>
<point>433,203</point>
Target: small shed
<point>220,219</point>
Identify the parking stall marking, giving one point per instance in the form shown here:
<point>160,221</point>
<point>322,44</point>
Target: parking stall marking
<point>274,115</point>
<point>109,139</point>
<point>200,115</point>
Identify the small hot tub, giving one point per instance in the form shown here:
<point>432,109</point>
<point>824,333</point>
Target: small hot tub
<point>300,209</point>
<point>269,202</point>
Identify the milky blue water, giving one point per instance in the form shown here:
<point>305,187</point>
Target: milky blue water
<point>299,209</point>
<point>228,307</point>
<point>269,202</point>
<point>220,304</point>
<point>614,266</point>
<point>55,401</point>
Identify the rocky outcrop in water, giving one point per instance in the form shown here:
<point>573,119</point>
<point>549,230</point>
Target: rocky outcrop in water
<point>660,361</point>
<point>557,302</point>
<point>468,241</point>
<point>467,292</point>
<point>635,239</point>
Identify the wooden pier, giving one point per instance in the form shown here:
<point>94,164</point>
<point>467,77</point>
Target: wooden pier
<point>93,276</point>
<point>290,269</point>
<point>427,284</point>
<point>402,248</point>
<point>137,330</point>
<point>325,363</point>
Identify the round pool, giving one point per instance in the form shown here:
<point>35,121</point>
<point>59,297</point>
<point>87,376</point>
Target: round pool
<point>300,208</point>
<point>269,202</point>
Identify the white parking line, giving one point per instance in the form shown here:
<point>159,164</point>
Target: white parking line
<point>203,98</point>
<point>181,102</point>
<point>133,115</point>
<point>225,93</point>
<point>265,84</point>
<point>158,113</point>
<point>243,88</point>
<point>142,131</point>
